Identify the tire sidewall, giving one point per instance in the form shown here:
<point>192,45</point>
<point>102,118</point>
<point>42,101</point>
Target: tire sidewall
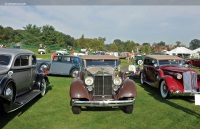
<point>43,87</point>
<point>9,84</point>
<point>141,78</point>
<point>72,73</point>
<point>162,92</point>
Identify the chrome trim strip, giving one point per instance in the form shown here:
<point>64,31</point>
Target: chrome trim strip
<point>104,103</point>
<point>184,93</point>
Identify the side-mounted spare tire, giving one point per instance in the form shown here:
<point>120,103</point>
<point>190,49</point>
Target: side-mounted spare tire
<point>44,67</point>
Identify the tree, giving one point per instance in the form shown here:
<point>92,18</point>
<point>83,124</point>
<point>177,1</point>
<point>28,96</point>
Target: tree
<point>161,43</point>
<point>113,47</point>
<point>146,49</point>
<point>195,43</point>
<point>129,46</point>
<point>146,44</point>
<point>32,35</point>
<point>178,44</point>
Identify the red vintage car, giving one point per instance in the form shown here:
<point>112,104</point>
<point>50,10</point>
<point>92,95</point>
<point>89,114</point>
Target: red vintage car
<point>168,74</point>
<point>100,84</point>
<point>194,62</point>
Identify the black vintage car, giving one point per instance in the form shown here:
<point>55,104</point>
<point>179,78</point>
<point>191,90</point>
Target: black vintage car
<point>19,80</point>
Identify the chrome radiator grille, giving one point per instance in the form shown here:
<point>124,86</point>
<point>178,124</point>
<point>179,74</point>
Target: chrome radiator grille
<point>103,85</point>
<point>189,81</point>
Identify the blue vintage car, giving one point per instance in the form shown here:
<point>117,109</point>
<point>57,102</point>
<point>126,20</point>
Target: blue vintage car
<point>60,65</point>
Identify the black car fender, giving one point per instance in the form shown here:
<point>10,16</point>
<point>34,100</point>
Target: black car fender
<point>4,81</point>
<point>39,78</point>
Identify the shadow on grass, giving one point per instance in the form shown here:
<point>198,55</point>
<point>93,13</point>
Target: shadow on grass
<point>6,117</point>
<point>55,75</point>
<point>154,92</point>
<point>100,109</point>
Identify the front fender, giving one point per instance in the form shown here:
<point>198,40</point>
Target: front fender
<point>172,84</point>
<point>78,90</point>
<point>127,90</point>
<point>3,83</point>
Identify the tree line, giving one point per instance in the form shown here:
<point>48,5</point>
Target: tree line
<point>49,36</point>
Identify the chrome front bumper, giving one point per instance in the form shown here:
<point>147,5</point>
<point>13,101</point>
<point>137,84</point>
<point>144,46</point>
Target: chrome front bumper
<point>103,103</point>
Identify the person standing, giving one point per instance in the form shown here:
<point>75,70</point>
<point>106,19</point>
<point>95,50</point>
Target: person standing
<point>132,57</point>
<point>53,55</point>
<point>128,55</point>
<point>72,52</point>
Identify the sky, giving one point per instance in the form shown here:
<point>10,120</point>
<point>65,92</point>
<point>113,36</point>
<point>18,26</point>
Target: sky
<point>138,23</point>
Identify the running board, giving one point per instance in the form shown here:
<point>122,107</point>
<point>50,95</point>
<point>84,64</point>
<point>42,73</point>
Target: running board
<point>21,100</point>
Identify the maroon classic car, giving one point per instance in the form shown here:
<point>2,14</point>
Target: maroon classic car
<point>194,62</point>
<point>168,74</point>
<point>100,84</point>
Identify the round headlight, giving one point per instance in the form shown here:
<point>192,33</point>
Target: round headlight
<point>117,81</point>
<point>179,76</point>
<point>89,81</point>
<point>131,68</point>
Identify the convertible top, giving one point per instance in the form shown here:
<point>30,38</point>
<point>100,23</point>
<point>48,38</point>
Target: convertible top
<point>163,57</point>
<point>99,57</point>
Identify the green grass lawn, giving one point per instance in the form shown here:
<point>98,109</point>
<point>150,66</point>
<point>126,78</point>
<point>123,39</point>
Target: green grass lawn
<point>53,111</point>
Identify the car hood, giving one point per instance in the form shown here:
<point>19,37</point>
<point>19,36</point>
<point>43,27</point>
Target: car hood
<point>95,70</point>
<point>3,70</point>
<point>176,69</point>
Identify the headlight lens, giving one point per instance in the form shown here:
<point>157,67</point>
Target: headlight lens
<point>179,76</point>
<point>131,68</point>
<point>89,81</point>
<point>117,81</point>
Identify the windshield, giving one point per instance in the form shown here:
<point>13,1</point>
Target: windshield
<point>171,62</point>
<point>5,59</point>
<point>111,63</point>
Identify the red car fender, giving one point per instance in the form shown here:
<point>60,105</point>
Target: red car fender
<point>172,84</point>
<point>161,73</point>
<point>127,90</point>
<point>78,90</point>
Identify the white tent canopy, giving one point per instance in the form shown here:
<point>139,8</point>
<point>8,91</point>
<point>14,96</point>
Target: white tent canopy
<point>180,50</point>
<point>196,50</point>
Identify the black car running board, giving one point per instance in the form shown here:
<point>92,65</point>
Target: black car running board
<point>20,101</point>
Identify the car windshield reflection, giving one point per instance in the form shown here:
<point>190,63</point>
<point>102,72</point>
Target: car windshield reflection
<point>100,63</point>
<point>5,60</point>
<point>170,62</point>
